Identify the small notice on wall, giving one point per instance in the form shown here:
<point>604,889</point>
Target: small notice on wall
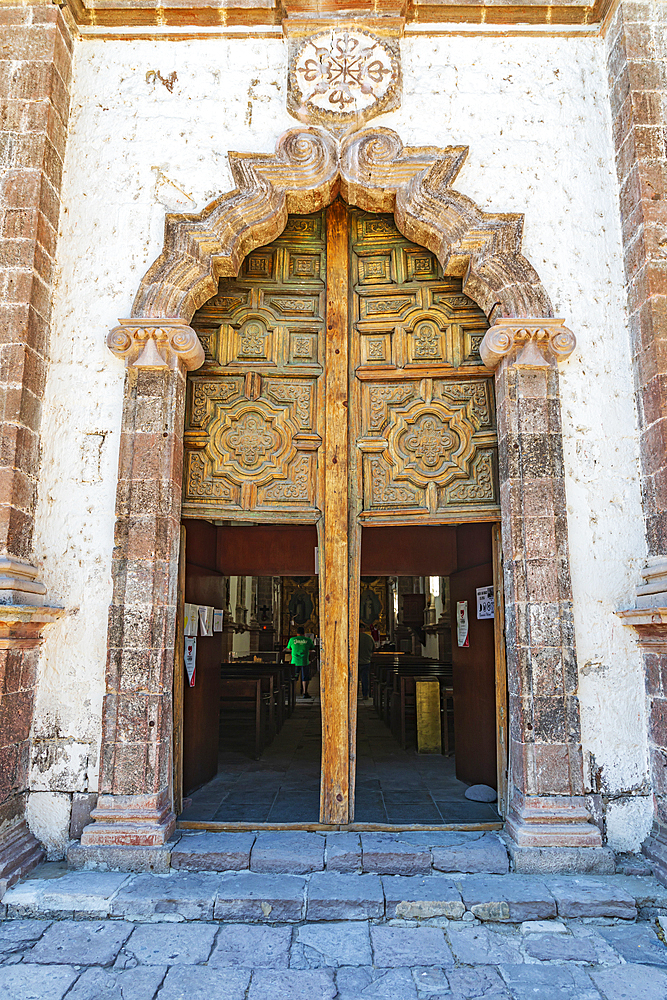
<point>205,620</point>
<point>462,623</point>
<point>217,620</point>
<point>191,619</point>
<point>485,608</point>
<point>190,658</point>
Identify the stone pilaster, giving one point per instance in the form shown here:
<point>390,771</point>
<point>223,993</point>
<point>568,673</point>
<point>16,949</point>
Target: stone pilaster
<point>135,804</point>
<point>35,68</point>
<point>548,826</point>
<point>637,69</point>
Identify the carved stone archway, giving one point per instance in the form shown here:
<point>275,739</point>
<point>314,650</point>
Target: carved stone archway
<point>548,824</point>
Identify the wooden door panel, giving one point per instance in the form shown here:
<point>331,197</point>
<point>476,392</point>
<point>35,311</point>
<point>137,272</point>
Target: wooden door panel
<point>426,431</point>
<point>254,411</point>
<point>474,683</point>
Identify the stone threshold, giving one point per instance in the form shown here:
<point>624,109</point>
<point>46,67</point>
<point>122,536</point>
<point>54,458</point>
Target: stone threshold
<point>231,827</point>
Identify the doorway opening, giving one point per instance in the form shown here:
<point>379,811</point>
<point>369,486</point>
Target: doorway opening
<point>426,727</point>
<point>343,394</point>
<point>251,741</point>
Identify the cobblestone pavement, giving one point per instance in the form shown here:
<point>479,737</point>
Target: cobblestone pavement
<point>352,960</point>
<point>266,934</point>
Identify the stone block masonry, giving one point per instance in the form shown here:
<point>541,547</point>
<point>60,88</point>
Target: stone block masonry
<point>637,69</point>
<point>35,70</point>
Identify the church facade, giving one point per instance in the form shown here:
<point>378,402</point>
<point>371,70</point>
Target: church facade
<point>146,152</point>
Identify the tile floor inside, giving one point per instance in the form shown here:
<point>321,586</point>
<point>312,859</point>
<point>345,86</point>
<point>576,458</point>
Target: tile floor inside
<point>393,785</point>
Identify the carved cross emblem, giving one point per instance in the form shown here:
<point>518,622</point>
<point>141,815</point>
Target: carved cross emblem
<point>345,71</point>
<point>342,74</point>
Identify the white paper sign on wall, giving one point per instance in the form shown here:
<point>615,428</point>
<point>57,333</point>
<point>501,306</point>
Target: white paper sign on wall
<point>485,606</point>
<point>190,658</point>
<point>218,618</point>
<point>462,623</point>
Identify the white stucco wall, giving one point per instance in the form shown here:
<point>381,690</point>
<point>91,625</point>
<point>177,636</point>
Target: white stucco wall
<point>534,113</point>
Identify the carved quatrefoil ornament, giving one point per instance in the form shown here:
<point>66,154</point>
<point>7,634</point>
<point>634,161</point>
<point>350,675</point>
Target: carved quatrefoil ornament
<point>431,443</point>
<point>342,77</point>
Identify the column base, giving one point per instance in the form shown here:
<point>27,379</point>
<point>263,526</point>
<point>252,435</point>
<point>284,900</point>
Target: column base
<point>130,821</point>
<point>20,852</point>
<point>554,834</point>
<point>655,849</point>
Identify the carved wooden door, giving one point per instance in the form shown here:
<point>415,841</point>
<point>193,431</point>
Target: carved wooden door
<point>342,386</point>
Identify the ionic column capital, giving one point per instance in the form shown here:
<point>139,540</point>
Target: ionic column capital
<point>538,343</point>
<point>156,343</point>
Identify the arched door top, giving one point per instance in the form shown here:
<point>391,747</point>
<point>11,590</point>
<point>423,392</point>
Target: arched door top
<point>371,170</point>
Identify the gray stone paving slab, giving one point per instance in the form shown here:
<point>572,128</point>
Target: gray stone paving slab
<point>589,897</point>
<point>141,983</point>
<point>561,948</point>
<point>471,984</point>
<point>431,982</point>
<point>182,896</point>
<point>650,896</point>
<point>170,944</point>
<point>82,892</point>
<point>25,898</point>
<point>292,984</point>
<point>36,982</point>
<point>215,852</point>
<point>388,854</point>
<point>252,946</point>
<point>549,982</point>
<point>440,838</point>
<point>421,897</point>
<point>636,943</point>
<point>334,896</point>
<point>409,946</point>
<point>318,945</point>
<point>375,984</point>
<point>631,982</point>
<point>198,982</point>
<point>249,896</point>
<point>478,945</point>
<point>343,852</point>
<point>486,854</point>
<point>16,934</point>
<point>80,942</point>
<point>291,851</point>
<point>518,898</point>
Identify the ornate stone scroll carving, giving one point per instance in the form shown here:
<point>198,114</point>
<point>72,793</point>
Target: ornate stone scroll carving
<point>538,343</point>
<point>342,77</point>
<point>156,344</point>
<point>371,169</point>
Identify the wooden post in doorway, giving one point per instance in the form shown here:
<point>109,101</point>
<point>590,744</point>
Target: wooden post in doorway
<point>334,673</point>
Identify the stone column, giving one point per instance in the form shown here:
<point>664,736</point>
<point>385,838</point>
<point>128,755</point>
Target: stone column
<point>134,808</point>
<point>548,825</point>
<point>35,68</point>
<point>637,69</point>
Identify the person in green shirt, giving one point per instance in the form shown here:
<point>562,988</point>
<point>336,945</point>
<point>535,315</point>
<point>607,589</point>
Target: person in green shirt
<point>300,646</point>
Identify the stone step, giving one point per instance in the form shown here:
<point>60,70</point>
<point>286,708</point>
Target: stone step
<point>256,897</point>
<point>298,853</point>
